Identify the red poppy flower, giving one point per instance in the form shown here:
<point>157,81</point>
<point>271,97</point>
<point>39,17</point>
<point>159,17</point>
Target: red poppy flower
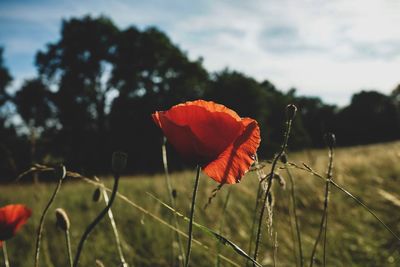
<point>213,136</point>
<point>12,218</point>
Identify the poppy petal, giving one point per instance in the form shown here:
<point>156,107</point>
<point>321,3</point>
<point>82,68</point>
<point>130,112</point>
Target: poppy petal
<point>181,137</point>
<point>12,218</point>
<point>237,158</point>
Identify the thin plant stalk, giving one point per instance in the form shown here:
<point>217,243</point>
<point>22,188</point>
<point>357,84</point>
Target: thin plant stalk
<point>296,220</point>
<point>68,241</point>
<point>261,175</point>
<point>115,230</point>
<point>5,255</point>
<point>99,217</point>
<point>275,249</point>
<point>324,220</point>
<point>190,232</point>
<point>270,177</point>
<point>171,198</point>
<point>221,223</point>
<point>329,174</point>
<point>346,192</point>
<point>42,219</point>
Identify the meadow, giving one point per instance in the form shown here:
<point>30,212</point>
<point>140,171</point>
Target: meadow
<point>354,237</point>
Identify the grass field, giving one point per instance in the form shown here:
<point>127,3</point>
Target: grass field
<point>354,237</point>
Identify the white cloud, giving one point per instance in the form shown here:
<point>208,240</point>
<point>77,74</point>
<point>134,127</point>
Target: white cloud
<point>326,48</point>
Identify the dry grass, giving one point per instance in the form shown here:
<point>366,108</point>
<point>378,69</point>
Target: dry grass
<point>355,238</point>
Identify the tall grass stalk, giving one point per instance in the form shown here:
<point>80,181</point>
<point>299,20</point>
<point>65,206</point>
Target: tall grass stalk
<point>346,192</point>
<point>93,224</point>
<point>294,208</point>
<point>115,230</point>
<point>172,199</point>
<point>330,139</point>
<point>291,111</point>
<point>261,176</point>
<point>190,232</point>
<point>221,224</point>
<point>118,164</point>
<point>60,173</point>
<point>5,255</point>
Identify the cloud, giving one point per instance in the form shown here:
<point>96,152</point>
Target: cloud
<point>326,48</point>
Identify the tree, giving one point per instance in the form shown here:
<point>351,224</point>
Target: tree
<point>371,117</point>
<point>78,65</point>
<point>150,73</point>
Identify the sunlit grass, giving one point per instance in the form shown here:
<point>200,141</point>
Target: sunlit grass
<point>354,237</point>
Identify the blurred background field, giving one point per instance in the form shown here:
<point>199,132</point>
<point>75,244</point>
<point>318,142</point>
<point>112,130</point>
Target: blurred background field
<point>354,237</point>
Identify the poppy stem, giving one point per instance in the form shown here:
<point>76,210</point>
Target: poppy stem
<point>171,198</point>
<point>68,241</point>
<point>296,220</point>
<point>221,224</point>
<point>190,234</point>
<point>269,179</point>
<point>5,254</point>
<point>115,230</point>
<point>324,220</point>
<point>60,172</point>
<point>99,217</point>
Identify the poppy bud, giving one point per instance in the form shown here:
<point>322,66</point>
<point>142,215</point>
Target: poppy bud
<point>330,140</point>
<point>284,159</point>
<point>291,111</point>
<point>96,195</point>
<point>119,160</point>
<point>62,219</point>
<point>60,172</point>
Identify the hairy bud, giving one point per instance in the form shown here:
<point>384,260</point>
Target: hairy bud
<point>62,219</point>
<point>291,111</point>
<point>330,140</point>
<point>60,172</point>
<point>96,197</point>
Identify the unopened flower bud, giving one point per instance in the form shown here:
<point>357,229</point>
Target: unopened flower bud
<point>96,195</point>
<point>291,111</point>
<point>330,140</point>
<point>62,219</point>
<point>60,172</point>
<point>119,160</point>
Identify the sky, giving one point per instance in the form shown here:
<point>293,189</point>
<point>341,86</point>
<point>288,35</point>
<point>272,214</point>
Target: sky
<point>330,49</point>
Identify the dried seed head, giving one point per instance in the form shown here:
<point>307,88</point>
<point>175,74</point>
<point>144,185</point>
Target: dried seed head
<point>60,172</point>
<point>284,159</point>
<point>330,140</point>
<point>62,219</point>
<point>96,195</point>
<point>291,111</point>
<point>119,160</point>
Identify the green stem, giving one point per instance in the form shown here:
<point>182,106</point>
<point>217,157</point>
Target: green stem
<point>296,220</point>
<point>96,221</point>
<point>41,224</point>
<point>115,230</point>
<point>270,177</point>
<point>5,254</point>
<point>221,223</point>
<point>68,241</point>
<point>171,199</point>
<point>190,233</point>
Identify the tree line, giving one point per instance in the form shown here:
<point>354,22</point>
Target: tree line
<point>98,84</point>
